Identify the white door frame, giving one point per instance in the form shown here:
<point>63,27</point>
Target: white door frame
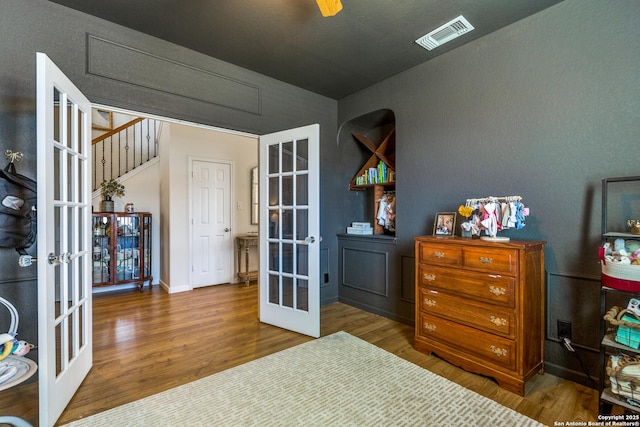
<point>231,216</point>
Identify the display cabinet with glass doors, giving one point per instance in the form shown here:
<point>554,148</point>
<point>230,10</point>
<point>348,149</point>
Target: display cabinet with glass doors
<point>121,248</point>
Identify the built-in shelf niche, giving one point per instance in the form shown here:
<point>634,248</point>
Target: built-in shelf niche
<point>375,136</point>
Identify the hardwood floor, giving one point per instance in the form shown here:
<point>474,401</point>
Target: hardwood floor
<point>149,342</point>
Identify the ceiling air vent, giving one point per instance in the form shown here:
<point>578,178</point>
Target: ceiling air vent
<point>444,33</point>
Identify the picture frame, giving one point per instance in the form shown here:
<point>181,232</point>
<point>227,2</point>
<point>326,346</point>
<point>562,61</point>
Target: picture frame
<point>445,224</point>
<point>101,119</point>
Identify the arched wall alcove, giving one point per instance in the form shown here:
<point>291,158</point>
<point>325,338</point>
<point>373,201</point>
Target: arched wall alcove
<point>377,126</point>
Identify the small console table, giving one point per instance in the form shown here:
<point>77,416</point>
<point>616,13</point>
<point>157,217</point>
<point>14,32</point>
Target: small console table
<point>246,242</point>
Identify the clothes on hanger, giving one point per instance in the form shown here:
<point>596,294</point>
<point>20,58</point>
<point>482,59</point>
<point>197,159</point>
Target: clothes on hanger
<point>387,211</point>
<point>494,214</point>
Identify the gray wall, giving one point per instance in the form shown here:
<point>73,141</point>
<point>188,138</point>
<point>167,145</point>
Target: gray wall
<point>143,74</point>
<point>544,108</point>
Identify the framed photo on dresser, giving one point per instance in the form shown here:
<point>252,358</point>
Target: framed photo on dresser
<point>444,224</point>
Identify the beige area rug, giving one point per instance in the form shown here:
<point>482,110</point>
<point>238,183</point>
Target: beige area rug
<point>338,380</point>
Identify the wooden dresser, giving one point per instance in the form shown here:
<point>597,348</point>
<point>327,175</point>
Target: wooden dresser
<point>480,306</point>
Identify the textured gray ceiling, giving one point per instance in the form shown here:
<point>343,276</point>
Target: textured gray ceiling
<point>289,40</point>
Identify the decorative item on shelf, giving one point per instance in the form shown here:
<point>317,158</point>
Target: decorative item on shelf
<point>634,225</point>
<point>109,189</point>
<point>624,374</point>
<point>466,212</point>
<point>620,263</point>
<point>492,214</point>
<point>628,324</point>
<point>128,208</point>
<point>361,228</point>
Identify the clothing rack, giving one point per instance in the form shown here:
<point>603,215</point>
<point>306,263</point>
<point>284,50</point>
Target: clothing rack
<point>494,216</point>
<point>494,199</point>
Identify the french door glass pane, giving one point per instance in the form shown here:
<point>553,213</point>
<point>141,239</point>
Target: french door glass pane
<point>302,300</point>
<point>274,159</point>
<point>302,155</point>
<point>302,189</point>
<point>287,291</point>
<point>287,224</point>
<point>274,198</point>
<point>287,190</point>
<point>274,223</point>
<point>302,224</point>
<point>274,256</point>
<point>287,258</point>
<point>287,156</point>
<point>302,263</point>
<point>274,289</point>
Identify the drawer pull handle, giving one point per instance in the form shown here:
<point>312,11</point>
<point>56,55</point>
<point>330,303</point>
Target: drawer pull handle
<point>500,352</point>
<point>438,254</point>
<point>429,277</point>
<point>429,327</point>
<point>486,260</point>
<point>498,321</point>
<point>497,291</point>
<point>429,302</point>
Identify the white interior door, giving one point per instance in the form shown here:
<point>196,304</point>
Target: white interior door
<point>290,229</point>
<point>212,248</point>
<point>64,217</point>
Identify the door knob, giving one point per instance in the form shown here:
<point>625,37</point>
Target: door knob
<point>227,229</point>
<point>59,259</point>
<point>26,260</point>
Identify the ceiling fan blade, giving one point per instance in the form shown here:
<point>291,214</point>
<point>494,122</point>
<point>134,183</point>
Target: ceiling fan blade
<point>329,7</point>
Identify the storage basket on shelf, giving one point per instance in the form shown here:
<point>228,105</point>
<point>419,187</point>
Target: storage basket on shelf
<point>628,324</point>
<point>620,276</point>
<point>624,374</point>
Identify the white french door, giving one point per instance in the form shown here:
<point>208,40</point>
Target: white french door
<point>64,215</point>
<point>211,244</point>
<point>290,229</point>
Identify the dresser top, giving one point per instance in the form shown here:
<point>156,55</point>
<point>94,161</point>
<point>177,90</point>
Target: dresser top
<point>479,242</point>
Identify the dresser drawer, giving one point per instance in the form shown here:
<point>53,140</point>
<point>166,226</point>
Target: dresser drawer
<point>489,318</point>
<point>488,288</point>
<point>501,261</point>
<point>492,348</point>
<point>441,254</point>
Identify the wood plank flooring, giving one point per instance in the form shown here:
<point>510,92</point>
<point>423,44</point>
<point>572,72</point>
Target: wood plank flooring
<point>145,343</point>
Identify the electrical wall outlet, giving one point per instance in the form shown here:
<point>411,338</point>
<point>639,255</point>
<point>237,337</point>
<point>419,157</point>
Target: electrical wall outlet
<point>564,330</point>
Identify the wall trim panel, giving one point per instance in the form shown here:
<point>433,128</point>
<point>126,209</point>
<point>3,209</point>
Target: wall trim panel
<point>116,61</point>
<point>368,280</point>
<point>573,297</point>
